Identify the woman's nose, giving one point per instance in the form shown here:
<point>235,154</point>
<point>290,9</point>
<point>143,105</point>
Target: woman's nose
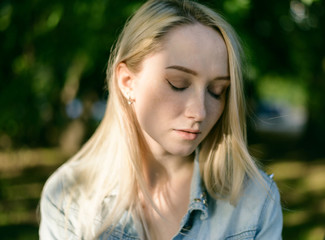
<point>196,108</point>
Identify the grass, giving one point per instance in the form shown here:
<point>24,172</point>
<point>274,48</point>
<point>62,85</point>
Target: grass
<point>22,176</point>
<point>23,173</point>
<point>302,186</point>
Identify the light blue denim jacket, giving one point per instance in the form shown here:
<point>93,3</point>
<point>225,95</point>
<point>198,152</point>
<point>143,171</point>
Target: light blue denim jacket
<point>257,215</point>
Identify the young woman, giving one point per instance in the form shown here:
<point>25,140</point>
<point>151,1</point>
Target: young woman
<point>169,160</point>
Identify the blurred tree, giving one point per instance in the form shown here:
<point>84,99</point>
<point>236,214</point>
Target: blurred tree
<point>51,53</point>
<point>287,38</point>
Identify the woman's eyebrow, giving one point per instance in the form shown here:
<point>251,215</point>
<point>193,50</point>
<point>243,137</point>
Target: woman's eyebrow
<point>190,71</point>
<point>183,69</point>
<point>222,78</point>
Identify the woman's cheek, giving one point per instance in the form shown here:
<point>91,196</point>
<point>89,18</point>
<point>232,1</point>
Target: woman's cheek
<point>214,111</point>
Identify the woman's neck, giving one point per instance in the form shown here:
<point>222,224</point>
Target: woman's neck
<point>169,184</point>
<point>167,168</point>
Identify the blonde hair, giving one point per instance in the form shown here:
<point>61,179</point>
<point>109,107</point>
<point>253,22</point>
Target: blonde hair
<point>110,163</point>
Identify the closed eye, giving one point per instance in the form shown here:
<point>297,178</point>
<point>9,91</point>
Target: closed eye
<point>174,87</point>
<point>219,93</point>
<point>217,96</point>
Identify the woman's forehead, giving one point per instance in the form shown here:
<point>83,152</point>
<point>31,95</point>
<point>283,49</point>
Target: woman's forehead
<point>196,47</point>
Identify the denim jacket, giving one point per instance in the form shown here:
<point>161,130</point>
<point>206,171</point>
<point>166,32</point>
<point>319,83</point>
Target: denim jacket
<point>257,214</point>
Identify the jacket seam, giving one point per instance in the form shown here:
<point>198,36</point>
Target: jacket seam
<point>269,195</point>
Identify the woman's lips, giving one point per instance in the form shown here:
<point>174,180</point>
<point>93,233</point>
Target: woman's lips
<point>188,134</point>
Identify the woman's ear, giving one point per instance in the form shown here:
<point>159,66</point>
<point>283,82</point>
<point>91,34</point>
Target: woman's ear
<point>125,79</point>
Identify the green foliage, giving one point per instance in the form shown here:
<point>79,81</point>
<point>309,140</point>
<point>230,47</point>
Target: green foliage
<point>281,89</point>
<point>51,53</point>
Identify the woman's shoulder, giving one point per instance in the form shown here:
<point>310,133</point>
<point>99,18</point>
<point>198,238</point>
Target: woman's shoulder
<point>262,200</point>
<point>57,187</point>
<point>261,189</point>
<point>256,192</point>
<point>257,212</point>
<point>53,206</point>
<point>259,194</point>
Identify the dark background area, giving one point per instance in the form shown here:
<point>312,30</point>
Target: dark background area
<point>53,56</point>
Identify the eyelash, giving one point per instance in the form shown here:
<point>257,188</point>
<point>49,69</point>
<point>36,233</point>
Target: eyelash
<point>216,96</point>
<point>175,88</point>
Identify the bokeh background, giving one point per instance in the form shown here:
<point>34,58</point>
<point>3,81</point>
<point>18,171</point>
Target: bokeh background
<point>53,56</point>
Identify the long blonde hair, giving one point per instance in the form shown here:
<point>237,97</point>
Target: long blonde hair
<point>110,163</point>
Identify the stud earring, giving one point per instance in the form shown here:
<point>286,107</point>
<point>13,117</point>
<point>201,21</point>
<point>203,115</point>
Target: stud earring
<point>130,100</point>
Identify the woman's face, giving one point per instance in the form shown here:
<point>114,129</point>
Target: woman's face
<point>180,91</point>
